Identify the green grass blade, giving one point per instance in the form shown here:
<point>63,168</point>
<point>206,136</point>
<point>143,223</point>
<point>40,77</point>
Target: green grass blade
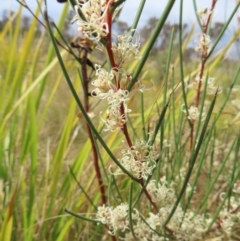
<point>151,42</point>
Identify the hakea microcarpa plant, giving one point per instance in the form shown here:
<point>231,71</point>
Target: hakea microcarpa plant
<point>140,158</point>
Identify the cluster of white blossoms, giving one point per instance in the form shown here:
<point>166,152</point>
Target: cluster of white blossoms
<point>116,96</point>
<point>204,44</point>
<point>91,18</point>
<point>193,113</point>
<point>115,218</point>
<point>139,160</point>
<point>211,88</point>
<point>125,50</point>
<point>198,84</point>
<point>183,225</point>
<point>161,192</point>
<point>204,40</point>
<point>94,25</point>
<point>204,14</point>
<point>229,217</point>
<point>105,89</point>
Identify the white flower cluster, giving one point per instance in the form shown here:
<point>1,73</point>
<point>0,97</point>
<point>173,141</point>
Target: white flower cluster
<point>204,44</point>
<point>193,113</point>
<point>160,192</point>
<point>205,40</point>
<point>103,83</point>
<point>115,218</point>
<point>124,50</point>
<point>236,187</point>
<point>211,89</point>
<point>94,26</point>
<point>183,225</point>
<point>230,215</point>
<point>139,160</point>
<point>204,14</point>
<point>105,89</point>
<point>199,82</point>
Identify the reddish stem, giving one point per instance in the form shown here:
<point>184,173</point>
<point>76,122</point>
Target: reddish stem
<point>204,55</point>
<point>122,112</point>
<point>191,137</point>
<point>200,82</point>
<point>113,64</point>
<point>87,109</point>
<point>96,166</point>
<point>109,37</point>
<point>209,17</point>
<point>124,128</point>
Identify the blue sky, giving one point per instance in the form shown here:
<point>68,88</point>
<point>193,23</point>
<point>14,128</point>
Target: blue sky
<point>152,8</point>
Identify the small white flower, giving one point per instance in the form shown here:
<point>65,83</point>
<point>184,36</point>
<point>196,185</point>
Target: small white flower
<point>124,78</point>
<point>191,228</point>
<point>211,89</point>
<point>95,26</point>
<point>140,169</point>
<point>153,220</point>
<point>119,218</point>
<point>161,193</point>
<point>203,14</point>
<point>116,98</point>
<point>103,83</point>
<point>139,160</point>
<point>205,40</point>
<point>115,218</point>
<point>114,120</point>
<point>227,220</point>
<point>204,44</point>
<point>104,214</point>
<point>105,89</point>
<point>194,113</point>
<point>236,187</point>
<point>124,50</point>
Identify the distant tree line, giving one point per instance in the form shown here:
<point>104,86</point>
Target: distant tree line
<point>161,44</point>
